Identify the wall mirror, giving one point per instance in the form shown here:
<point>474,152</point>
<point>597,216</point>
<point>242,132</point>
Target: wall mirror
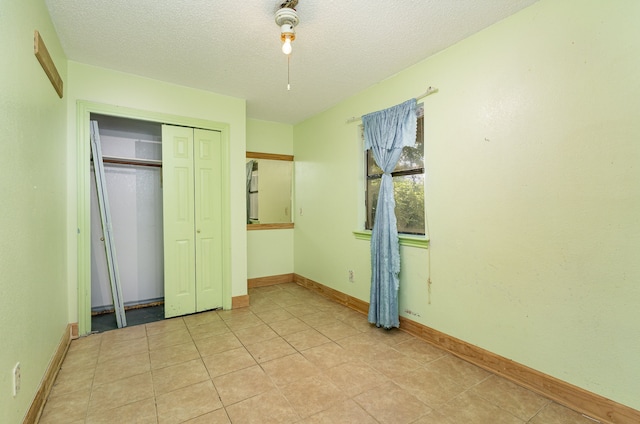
<point>268,191</point>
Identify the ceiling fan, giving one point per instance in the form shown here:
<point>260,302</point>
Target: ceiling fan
<point>287,19</point>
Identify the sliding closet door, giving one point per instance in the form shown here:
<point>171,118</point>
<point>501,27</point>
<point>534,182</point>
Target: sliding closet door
<point>208,219</point>
<point>178,221</point>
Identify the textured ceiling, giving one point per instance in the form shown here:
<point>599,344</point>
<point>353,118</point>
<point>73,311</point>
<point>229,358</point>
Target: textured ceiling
<point>233,48</point>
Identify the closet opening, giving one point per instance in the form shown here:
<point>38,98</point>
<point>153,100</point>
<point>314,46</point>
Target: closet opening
<point>203,280</point>
<point>132,158</point>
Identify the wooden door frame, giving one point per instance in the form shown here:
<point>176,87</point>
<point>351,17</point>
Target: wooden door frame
<point>84,109</point>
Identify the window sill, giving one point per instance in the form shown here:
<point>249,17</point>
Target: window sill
<point>421,242</point>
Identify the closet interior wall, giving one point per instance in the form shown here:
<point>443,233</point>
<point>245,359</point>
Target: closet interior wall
<point>132,151</point>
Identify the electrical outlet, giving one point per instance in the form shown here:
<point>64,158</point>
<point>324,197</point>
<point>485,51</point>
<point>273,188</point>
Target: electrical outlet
<point>352,277</point>
<point>16,379</point>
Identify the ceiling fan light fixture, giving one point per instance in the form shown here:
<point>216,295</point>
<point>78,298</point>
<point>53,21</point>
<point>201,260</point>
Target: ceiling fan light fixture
<point>287,19</point>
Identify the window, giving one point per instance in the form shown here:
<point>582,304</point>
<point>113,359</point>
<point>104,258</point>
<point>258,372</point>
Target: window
<point>408,180</point>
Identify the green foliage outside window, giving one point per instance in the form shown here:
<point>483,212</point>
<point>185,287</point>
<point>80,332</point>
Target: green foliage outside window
<point>408,180</point>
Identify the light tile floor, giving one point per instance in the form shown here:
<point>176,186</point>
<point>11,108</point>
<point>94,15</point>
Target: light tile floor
<point>291,357</point>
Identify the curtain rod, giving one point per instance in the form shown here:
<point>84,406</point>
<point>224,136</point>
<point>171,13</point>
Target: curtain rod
<point>429,91</point>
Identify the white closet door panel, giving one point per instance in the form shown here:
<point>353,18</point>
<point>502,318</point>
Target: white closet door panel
<point>183,288</point>
<point>178,221</point>
<point>208,216</point>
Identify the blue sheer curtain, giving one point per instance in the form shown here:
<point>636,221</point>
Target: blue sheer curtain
<point>386,132</point>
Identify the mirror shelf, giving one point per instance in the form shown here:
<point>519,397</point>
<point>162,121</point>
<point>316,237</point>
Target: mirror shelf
<point>269,226</point>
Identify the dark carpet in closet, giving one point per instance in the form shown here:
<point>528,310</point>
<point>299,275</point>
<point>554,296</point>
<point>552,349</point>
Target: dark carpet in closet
<point>106,322</point>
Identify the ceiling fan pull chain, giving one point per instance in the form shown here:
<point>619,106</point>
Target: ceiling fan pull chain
<point>288,72</point>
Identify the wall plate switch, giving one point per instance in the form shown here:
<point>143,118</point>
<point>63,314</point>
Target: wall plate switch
<point>352,277</point>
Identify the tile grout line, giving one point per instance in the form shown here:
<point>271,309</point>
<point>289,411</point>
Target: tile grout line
<point>223,407</point>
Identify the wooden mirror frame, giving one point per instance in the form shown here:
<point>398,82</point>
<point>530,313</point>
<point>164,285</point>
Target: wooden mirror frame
<point>270,156</point>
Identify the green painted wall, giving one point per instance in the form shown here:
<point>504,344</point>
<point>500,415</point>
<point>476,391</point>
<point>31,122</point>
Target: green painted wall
<point>33,232</point>
<point>269,252</point>
<point>532,193</point>
<point>269,137</point>
<point>108,87</point>
<point>263,259</point>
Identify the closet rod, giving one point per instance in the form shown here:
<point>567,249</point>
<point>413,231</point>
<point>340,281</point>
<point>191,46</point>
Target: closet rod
<point>132,161</point>
<point>429,91</point>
